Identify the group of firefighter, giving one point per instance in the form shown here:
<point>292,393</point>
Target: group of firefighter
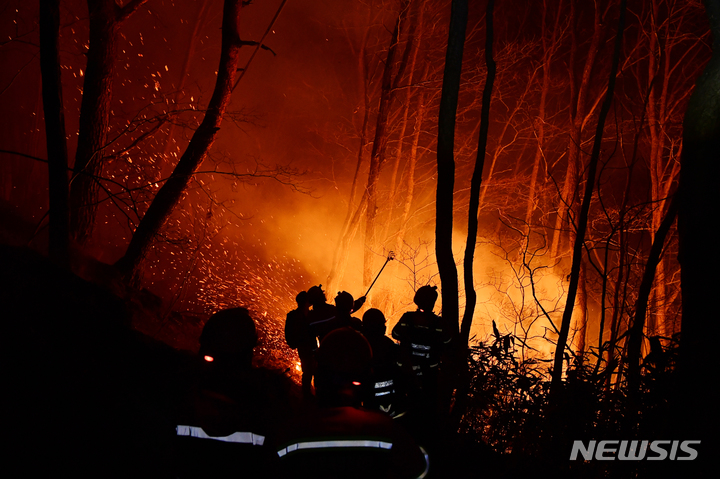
<point>366,398</point>
<point>404,374</point>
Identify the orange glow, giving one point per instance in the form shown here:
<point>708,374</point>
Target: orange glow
<point>209,359</point>
<point>356,383</point>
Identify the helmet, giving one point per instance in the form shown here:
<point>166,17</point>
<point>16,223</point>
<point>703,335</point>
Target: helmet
<point>373,322</point>
<point>229,332</point>
<point>302,298</point>
<point>344,302</point>
<point>425,297</point>
<point>316,295</point>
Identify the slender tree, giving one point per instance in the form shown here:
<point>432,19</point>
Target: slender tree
<point>382,133</point>
<point>641,307</point>
<point>57,153</point>
<point>473,208</point>
<point>106,17</point>
<point>367,206</point>
<point>579,112</point>
<point>446,164</point>
<point>171,192</point>
<point>585,207</point>
<point>352,217</point>
<point>475,183</point>
<point>550,47</point>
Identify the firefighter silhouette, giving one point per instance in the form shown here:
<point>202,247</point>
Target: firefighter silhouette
<point>385,395</point>
<point>339,438</point>
<point>298,336</point>
<point>344,306</point>
<point>325,317</point>
<point>223,423</point>
<point>422,338</point>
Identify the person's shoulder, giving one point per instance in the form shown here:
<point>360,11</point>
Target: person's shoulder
<point>413,317</point>
<point>324,310</point>
<point>381,341</point>
<point>408,317</point>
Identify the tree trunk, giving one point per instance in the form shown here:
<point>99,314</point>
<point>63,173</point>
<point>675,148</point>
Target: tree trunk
<point>105,19</point>
<point>461,347</point>
<point>621,284</point>
<point>350,225</point>
<point>446,165</point>
<point>698,261</point>
<point>638,325</point>
<point>548,52</point>
<point>500,146</point>
<point>580,312</point>
<point>409,193</point>
<point>377,157</point>
<point>585,209</point>
<point>54,130</point>
<point>578,109</point>
<point>412,48</point>
<point>664,169</point>
<point>475,183</point>
<point>171,192</point>
<point>343,248</point>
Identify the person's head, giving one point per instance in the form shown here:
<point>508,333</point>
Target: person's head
<point>373,322</point>
<point>344,302</point>
<point>302,299</point>
<point>425,298</point>
<point>228,338</point>
<point>316,295</point>
<point>344,367</point>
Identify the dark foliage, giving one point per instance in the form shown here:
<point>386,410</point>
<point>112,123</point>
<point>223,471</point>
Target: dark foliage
<point>509,408</point>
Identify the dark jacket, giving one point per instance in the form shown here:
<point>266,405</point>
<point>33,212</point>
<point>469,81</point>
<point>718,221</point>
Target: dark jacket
<point>298,334</point>
<point>325,318</point>
<point>384,394</point>
<point>422,338</point>
<point>224,424</point>
<point>348,442</point>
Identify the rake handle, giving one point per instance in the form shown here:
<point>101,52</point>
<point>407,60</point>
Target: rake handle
<point>378,275</point>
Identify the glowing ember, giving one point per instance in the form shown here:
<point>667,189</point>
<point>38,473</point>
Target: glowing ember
<point>209,359</point>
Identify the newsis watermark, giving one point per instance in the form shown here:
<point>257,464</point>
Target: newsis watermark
<point>635,450</point>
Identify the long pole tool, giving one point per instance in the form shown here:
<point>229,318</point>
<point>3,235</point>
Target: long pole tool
<point>391,256</point>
